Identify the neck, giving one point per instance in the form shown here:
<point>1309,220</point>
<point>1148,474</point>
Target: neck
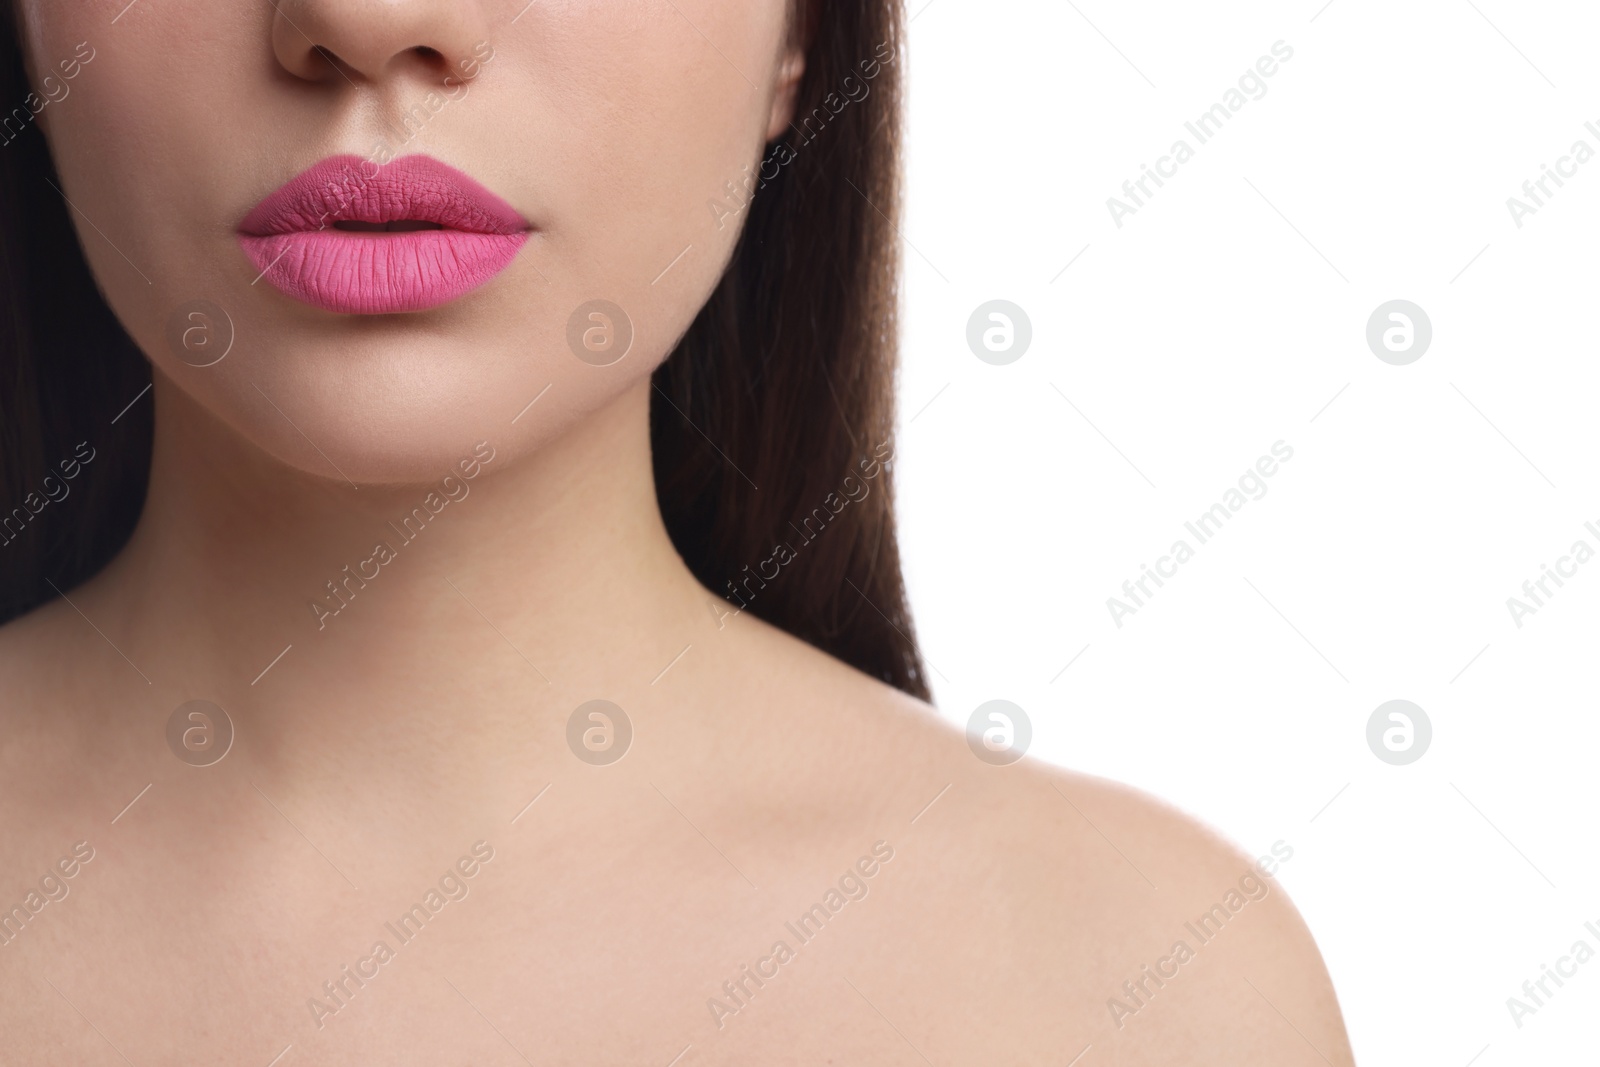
<point>540,573</point>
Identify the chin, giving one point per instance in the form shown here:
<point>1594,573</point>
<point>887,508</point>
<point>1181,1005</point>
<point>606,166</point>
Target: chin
<point>402,412</point>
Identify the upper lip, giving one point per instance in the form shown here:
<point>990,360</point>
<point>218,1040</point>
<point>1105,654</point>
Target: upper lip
<point>347,188</point>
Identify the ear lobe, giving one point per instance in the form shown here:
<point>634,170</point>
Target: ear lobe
<point>787,89</point>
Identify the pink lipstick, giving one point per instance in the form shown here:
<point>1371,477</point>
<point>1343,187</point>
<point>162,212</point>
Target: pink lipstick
<point>353,237</point>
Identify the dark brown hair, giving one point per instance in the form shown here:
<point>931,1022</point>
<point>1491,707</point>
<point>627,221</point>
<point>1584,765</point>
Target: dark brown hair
<point>771,422</point>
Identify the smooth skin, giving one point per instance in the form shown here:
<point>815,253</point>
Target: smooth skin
<point>425,716</point>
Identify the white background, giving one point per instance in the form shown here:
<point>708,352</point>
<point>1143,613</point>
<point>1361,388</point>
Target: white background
<point>1379,562</point>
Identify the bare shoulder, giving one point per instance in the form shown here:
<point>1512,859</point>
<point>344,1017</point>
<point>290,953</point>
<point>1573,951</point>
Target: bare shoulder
<point>1071,911</point>
<point>1197,951</point>
<point>52,720</point>
<point>49,660</point>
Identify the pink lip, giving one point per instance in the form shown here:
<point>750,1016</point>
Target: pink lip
<point>292,239</point>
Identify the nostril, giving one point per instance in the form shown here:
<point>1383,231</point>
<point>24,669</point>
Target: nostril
<point>428,59</point>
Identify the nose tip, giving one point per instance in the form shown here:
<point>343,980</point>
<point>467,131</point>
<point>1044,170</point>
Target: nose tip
<point>370,40</point>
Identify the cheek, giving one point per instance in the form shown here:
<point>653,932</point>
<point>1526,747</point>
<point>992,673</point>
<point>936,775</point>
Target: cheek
<point>157,146</point>
<point>646,127</point>
<point>637,128</point>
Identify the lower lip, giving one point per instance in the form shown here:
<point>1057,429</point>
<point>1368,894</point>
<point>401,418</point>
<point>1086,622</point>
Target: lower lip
<point>380,273</point>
